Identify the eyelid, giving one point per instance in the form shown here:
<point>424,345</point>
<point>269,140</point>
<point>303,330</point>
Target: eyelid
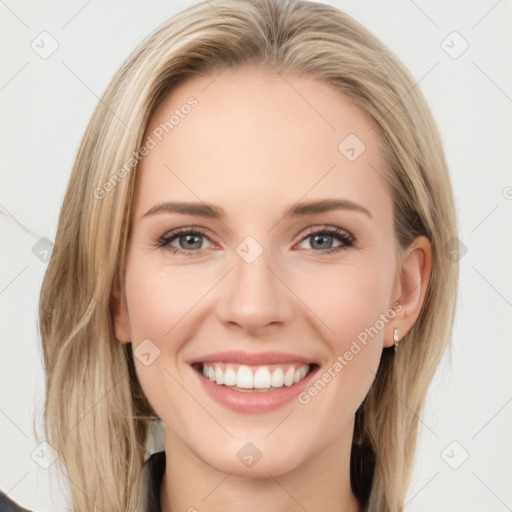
<point>326,229</point>
<point>343,236</point>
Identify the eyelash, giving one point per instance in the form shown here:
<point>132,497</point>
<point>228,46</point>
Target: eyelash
<point>337,233</point>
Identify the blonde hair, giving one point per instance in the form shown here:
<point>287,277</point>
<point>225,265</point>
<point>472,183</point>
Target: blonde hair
<point>96,415</point>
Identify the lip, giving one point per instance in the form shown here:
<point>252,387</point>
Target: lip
<point>254,402</point>
<point>256,359</point>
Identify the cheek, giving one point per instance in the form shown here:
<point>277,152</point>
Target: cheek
<point>159,298</point>
<point>350,298</point>
<point>352,303</point>
<point>159,305</point>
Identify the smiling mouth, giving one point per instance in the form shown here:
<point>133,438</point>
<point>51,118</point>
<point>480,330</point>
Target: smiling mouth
<point>245,378</point>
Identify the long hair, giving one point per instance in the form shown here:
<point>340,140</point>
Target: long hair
<point>96,415</point>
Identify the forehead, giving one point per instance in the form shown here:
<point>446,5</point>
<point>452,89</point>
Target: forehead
<point>255,134</point>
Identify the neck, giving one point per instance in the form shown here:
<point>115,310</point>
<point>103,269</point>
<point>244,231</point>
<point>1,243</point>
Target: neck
<point>320,483</point>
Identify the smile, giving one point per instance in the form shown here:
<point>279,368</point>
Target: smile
<point>243,377</point>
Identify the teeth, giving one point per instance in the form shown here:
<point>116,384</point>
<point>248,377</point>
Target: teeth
<point>277,378</point>
<point>261,377</point>
<point>229,377</point>
<point>288,377</point>
<point>219,376</point>
<point>244,378</point>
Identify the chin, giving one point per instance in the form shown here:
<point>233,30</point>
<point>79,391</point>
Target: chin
<point>253,459</point>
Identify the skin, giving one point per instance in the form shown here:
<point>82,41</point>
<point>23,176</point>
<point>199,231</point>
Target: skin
<point>255,146</point>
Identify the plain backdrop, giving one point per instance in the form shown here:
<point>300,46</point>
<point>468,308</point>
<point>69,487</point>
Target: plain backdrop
<point>459,53</point>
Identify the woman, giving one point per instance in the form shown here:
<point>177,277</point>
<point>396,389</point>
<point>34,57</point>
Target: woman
<point>257,219</point>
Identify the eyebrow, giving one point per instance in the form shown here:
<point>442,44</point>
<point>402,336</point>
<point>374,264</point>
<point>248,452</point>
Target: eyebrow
<point>214,212</point>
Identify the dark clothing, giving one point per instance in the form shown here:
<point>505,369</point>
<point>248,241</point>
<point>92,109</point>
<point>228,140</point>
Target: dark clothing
<point>7,505</point>
<point>156,469</point>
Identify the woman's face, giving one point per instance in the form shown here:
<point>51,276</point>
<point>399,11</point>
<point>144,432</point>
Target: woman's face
<point>261,248</point>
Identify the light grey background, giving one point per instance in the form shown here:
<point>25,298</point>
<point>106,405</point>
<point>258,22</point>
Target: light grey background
<point>46,104</point>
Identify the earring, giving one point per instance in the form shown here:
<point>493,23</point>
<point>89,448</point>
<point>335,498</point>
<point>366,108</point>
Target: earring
<point>396,338</point>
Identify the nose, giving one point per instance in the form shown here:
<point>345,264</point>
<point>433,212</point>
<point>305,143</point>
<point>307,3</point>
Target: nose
<point>254,296</point>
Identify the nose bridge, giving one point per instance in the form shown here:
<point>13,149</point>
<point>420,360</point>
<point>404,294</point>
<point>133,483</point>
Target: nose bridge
<point>253,296</point>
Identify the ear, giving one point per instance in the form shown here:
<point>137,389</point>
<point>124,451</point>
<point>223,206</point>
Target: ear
<point>413,278</point>
<point>119,312</point>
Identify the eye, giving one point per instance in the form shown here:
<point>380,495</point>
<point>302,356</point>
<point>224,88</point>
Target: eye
<point>323,239</point>
<point>189,241</point>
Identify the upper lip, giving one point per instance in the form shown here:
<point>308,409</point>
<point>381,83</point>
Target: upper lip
<point>255,359</point>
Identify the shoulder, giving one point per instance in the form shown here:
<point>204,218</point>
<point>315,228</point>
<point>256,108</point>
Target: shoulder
<point>8,505</point>
<point>156,465</point>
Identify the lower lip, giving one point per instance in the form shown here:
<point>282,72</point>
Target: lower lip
<point>254,402</point>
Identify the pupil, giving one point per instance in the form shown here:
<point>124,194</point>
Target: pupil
<point>191,239</point>
<point>316,237</point>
